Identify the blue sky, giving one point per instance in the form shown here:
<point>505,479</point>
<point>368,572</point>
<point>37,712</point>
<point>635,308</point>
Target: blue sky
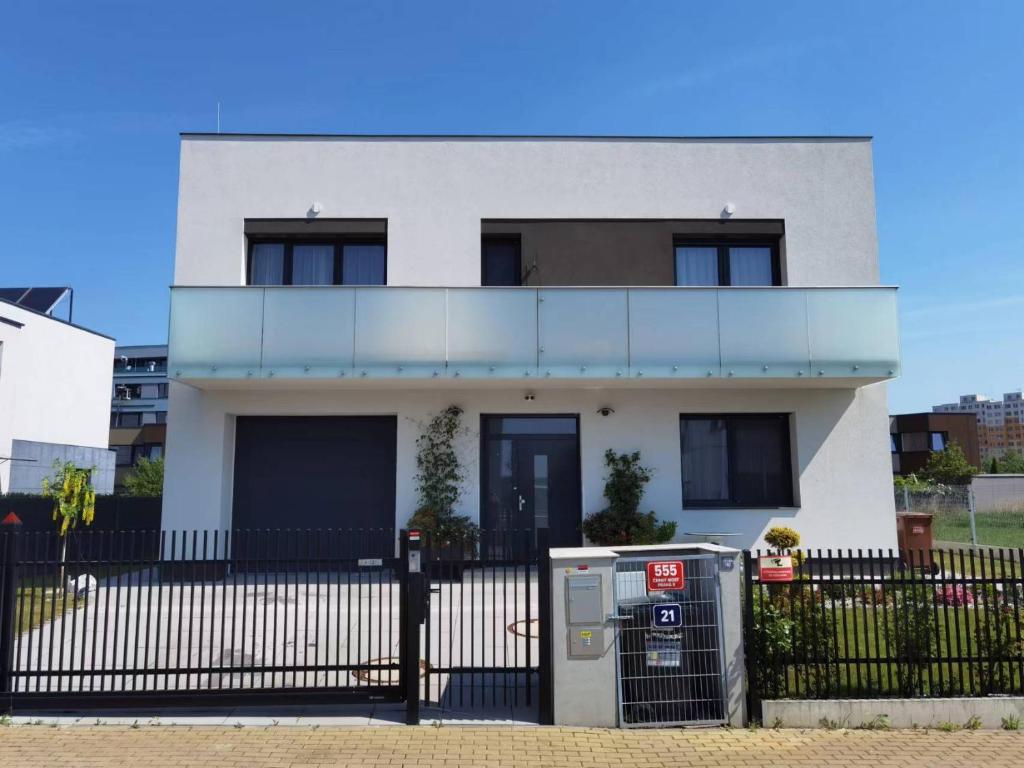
<point>93,95</point>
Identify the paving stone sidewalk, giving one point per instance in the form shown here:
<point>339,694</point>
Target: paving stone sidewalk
<point>27,746</point>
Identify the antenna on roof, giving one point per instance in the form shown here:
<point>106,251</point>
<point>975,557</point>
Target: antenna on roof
<point>218,117</point>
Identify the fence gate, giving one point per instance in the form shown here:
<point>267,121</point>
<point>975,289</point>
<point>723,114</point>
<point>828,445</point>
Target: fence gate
<point>484,639</point>
<point>670,664</point>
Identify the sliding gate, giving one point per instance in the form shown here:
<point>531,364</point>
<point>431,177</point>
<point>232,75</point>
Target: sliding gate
<point>200,618</point>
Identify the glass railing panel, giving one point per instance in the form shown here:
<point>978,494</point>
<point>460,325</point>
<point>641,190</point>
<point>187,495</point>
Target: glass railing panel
<point>853,332</point>
<point>215,332</point>
<point>673,332</point>
<point>492,332</point>
<point>400,332</point>
<point>308,332</point>
<point>583,333</point>
<point>763,333</point>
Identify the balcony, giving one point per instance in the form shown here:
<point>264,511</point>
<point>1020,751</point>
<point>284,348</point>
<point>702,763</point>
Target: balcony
<point>835,336</point>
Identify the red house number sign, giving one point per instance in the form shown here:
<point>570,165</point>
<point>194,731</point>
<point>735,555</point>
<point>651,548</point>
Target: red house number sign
<point>665,575</point>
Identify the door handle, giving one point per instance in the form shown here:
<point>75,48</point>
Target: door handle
<point>522,503</point>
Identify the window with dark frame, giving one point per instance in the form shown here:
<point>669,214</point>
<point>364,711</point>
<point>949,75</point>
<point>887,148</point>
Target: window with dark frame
<point>348,260</point>
<point>501,260</point>
<point>727,262</point>
<point>736,460</point>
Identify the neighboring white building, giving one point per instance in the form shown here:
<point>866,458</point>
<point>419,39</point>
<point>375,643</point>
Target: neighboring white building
<point>55,381</point>
<point>1000,422</point>
<point>712,303</point>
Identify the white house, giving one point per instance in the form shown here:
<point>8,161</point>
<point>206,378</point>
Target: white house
<point>712,303</point>
<point>55,381</point>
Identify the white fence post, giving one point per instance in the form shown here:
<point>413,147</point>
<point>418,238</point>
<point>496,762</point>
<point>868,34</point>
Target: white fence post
<point>906,499</point>
<point>970,514</point>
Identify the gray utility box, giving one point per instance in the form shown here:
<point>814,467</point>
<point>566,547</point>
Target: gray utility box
<point>584,615</point>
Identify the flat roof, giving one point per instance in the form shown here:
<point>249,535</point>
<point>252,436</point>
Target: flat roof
<point>55,319</point>
<point>512,137</point>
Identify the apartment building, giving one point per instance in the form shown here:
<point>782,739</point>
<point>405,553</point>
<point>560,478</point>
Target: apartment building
<point>1000,422</point>
<point>54,393</point>
<point>138,408</point>
<point>713,303</point>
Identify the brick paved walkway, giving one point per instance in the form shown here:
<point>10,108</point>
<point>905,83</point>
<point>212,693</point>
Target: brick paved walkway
<point>455,747</point>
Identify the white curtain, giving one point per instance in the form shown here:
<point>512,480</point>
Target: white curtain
<point>705,460</point>
<point>312,264</point>
<point>267,264</point>
<point>363,265</point>
<point>750,266</point>
<point>696,266</point>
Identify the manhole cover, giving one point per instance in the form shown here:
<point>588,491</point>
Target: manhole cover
<point>525,628</point>
<point>384,675</point>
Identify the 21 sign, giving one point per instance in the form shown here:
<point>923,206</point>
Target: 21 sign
<point>663,575</point>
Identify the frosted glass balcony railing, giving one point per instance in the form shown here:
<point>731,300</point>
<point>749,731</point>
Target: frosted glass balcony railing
<point>522,333</point>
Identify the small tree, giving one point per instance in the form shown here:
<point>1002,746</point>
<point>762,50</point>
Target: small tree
<point>147,478</point>
<point>622,522</point>
<point>73,496</point>
<point>993,466</point>
<point>949,466</point>
<point>73,499</point>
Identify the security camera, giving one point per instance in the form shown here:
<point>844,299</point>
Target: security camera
<point>606,411</point>
<point>529,397</point>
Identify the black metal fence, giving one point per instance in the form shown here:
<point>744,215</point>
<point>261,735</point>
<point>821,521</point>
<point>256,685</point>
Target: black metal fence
<point>113,513</point>
<point>866,624</point>
<point>125,618</point>
<point>209,618</point>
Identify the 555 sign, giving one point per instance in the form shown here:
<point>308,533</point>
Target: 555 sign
<point>665,575</point>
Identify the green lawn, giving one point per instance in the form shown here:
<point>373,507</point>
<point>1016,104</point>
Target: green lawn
<point>36,605</point>
<point>995,529</point>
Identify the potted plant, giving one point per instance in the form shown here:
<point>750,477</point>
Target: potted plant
<point>622,522</point>
<point>439,481</point>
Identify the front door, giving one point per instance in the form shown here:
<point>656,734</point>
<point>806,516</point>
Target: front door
<point>531,477</point>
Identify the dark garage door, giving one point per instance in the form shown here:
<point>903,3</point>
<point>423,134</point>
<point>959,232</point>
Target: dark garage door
<point>314,472</point>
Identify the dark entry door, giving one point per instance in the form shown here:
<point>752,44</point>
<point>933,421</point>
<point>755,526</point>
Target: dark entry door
<point>531,476</point>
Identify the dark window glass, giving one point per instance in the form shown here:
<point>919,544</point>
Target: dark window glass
<point>894,442</point>
<point>532,425</point>
<point>696,266</point>
<point>750,266</point>
<point>267,264</point>
<point>363,264</point>
<point>124,455</point>
<point>313,264</point>
<point>736,461</point>
<point>501,261</point>
<point>726,263</point>
<point>129,419</point>
<point>161,417</point>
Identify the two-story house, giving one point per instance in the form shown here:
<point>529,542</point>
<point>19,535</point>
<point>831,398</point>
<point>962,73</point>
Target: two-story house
<point>713,303</point>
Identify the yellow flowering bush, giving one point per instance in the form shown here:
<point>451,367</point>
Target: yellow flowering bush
<point>73,496</point>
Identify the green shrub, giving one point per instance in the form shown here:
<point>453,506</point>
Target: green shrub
<point>622,522</point>
<point>772,637</point>
<point>910,636</point>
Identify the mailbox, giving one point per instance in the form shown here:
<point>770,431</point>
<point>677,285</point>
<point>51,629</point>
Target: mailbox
<point>584,607</point>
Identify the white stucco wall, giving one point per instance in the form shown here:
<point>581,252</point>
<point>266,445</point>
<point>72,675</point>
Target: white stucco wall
<point>843,478</point>
<point>55,382</point>
<point>434,193</point>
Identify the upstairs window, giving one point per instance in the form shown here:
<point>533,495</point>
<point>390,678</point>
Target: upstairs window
<point>329,262</point>
<point>502,261</point>
<point>727,262</point>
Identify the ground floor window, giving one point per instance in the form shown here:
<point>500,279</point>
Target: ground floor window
<point>736,460</point>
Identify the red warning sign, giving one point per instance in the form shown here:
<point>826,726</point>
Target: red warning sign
<point>775,568</point>
<point>663,575</point>
<point>11,519</point>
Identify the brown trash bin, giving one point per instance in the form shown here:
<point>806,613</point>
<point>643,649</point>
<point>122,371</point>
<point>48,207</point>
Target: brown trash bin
<point>914,533</point>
